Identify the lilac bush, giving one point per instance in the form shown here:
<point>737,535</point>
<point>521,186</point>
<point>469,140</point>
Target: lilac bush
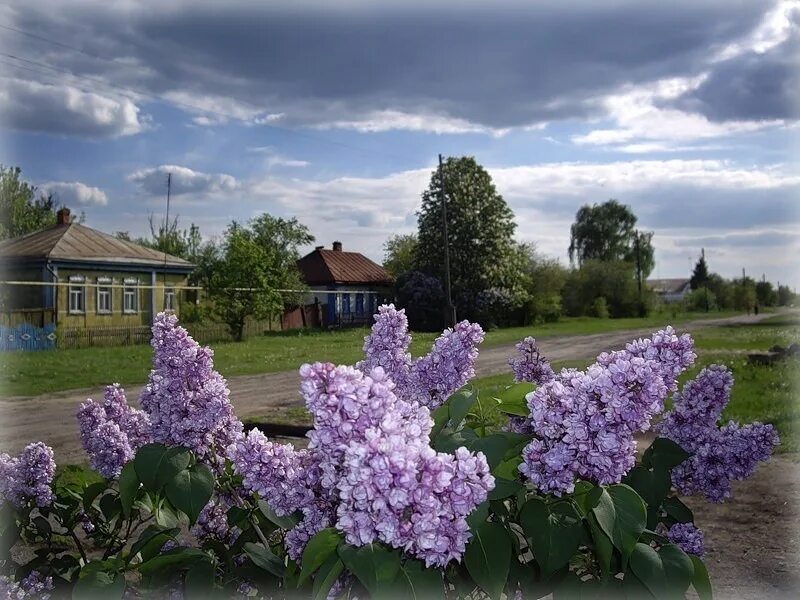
<point>407,485</point>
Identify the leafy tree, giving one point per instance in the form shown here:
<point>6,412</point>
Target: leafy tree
<point>481,228</point>
<point>399,251</point>
<point>545,278</point>
<point>607,232</point>
<point>785,296</point>
<point>700,299</point>
<point>744,293</point>
<point>721,289</point>
<point>247,271</point>
<point>766,294</point>
<point>700,273</point>
<point>612,281</point>
<point>168,237</point>
<point>22,209</point>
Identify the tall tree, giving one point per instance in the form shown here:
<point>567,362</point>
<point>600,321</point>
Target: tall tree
<point>700,274</point>
<point>607,232</point>
<point>248,272</point>
<point>398,254</point>
<point>481,228</point>
<point>22,208</point>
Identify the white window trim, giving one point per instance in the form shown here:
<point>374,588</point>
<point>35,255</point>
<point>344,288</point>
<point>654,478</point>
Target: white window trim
<point>170,291</point>
<point>76,283</point>
<point>110,290</point>
<point>128,285</point>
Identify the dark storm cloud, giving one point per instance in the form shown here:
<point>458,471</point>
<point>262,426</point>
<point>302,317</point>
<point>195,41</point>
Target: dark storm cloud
<point>751,86</point>
<point>496,65</point>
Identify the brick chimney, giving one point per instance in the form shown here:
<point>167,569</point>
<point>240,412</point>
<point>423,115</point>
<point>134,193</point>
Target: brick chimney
<point>63,217</point>
<point>337,246</point>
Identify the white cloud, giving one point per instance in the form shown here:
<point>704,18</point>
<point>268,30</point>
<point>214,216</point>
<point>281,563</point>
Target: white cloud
<point>184,181</point>
<point>65,109</point>
<point>774,29</point>
<point>275,159</point>
<point>395,120</point>
<point>641,118</point>
<point>74,192</point>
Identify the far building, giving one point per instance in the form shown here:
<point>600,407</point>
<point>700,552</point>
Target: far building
<point>92,279</point>
<point>356,284</point>
<point>670,291</point>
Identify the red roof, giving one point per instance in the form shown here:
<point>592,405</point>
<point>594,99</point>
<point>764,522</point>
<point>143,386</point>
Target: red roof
<point>324,267</point>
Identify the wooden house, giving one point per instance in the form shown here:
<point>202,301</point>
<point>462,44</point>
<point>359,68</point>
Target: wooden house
<point>357,284</point>
<point>84,278</point>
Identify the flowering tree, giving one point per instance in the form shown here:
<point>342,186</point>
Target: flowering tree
<point>407,488</point>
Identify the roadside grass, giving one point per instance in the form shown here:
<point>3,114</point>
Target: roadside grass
<point>32,373</point>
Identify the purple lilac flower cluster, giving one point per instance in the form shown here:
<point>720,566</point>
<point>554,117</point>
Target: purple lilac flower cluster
<point>33,586</point>
<point>431,379</point>
<point>212,523</point>
<point>369,469</point>
<point>112,432</point>
<point>689,538</point>
<point>720,455</point>
<point>185,398</point>
<point>585,421</point>
<point>531,366</point>
<point>29,476</point>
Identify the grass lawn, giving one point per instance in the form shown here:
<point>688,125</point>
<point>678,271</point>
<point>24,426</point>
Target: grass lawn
<point>31,373</point>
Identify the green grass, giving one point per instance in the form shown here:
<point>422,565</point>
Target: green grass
<point>31,373</point>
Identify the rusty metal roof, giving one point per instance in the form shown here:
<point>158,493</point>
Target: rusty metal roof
<point>76,242</point>
<point>322,267</point>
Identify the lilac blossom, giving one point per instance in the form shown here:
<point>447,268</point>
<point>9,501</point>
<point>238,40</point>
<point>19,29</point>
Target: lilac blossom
<point>37,586</point>
<point>529,365</point>
<point>185,398</point>
<point>369,469</point>
<point>112,432</point>
<point>431,379</point>
<point>687,537</point>
<point>585,421</point>
<point>212,523</point>
<point>29,476</point>
<point>720,455</point>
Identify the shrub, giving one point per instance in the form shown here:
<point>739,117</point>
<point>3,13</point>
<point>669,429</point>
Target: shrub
<point>405,489</point>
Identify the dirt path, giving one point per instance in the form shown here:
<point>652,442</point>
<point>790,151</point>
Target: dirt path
<point>51,417</point>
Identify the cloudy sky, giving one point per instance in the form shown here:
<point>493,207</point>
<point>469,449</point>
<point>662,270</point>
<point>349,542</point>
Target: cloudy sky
<point>335,113</point>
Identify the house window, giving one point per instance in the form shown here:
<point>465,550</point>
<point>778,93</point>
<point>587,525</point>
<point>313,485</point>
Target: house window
<point>77,294</point>
<point>104,295</point>
<point>130,296</point>
<point>170,302</point>
<point>346,304</point>
<point>359,304</point>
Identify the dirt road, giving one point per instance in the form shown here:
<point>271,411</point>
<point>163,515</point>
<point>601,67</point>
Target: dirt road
<point>751,541</point>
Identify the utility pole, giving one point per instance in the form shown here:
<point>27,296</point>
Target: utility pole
<point>166,241</point>
<point>705,283</point>
<point>449,310</point>
<point>639,274</point>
